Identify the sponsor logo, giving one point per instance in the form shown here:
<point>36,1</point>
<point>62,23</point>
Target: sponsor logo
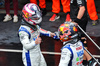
<point>79,48</point>
<point>79,1</point>
<point>79,63</point>
<point>77,59</point>
<point>32,30</point>
<point>80,53</point>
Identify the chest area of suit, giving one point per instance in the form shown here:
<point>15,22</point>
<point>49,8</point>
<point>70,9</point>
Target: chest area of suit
<point>35,33</point>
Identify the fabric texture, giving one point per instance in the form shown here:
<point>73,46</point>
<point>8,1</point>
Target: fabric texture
<point>92,10</point>
<point>42,3</point>
<point>56,6</point>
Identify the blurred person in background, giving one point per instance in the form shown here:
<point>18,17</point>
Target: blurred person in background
<point>92,12</point>
<point>7,7</point>
<point>42,5</point>
<point>56,9</point>
<point>78,14</point>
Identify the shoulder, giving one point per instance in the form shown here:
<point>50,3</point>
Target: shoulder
<point>23,27</point>
<point>65,51</point>
<point>24,30</point>
<point>66,48</point>
<point>79,42</point>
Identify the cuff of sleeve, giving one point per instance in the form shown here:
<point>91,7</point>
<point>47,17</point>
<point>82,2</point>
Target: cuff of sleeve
<point>34,43</point>
<point>49,33</point>
<point>77,20</point>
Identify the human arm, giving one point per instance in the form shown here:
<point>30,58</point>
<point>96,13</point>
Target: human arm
<point>27,44</point>
<point>81,12</point>
<point>65,57</point>
<point>46,33</point>
<point>56,35</point>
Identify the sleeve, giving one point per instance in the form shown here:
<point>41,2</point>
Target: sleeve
<point>81,3</point>
<point>65,57</point>
<point>24,38</point>
<point>56,35</point>
<point>44,32</point>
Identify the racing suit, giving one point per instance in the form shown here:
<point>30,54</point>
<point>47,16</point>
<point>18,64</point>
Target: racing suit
<point>42,3</point>
<point>92,10</point>
<point>31,55</point>
<point>56,6</point>
<point>72,54</point>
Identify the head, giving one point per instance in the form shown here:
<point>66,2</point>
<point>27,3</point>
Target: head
<point>68,31</point>
<point>31,14</point>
